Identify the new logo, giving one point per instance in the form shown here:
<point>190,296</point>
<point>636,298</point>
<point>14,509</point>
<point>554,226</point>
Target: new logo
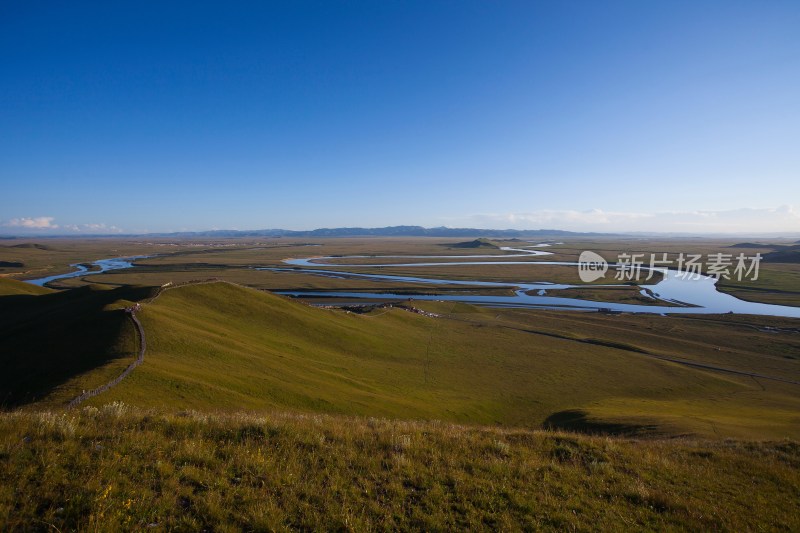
<point>591,267</point>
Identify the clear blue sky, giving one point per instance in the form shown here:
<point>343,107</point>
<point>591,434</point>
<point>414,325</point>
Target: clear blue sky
<point>159,116</point>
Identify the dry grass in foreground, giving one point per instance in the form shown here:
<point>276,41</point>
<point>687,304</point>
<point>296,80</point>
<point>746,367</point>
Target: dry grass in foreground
<point>117,468</point>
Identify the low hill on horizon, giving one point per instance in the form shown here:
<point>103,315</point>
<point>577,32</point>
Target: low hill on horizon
<point>779,253</point>
<point>477,243</point>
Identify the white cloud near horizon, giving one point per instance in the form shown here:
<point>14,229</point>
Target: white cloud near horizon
<point>783,219</point>
<point>32,223</point>
<point>46,225</point>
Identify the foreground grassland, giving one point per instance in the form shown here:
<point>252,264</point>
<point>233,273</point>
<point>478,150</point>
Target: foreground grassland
<point>117,468</point>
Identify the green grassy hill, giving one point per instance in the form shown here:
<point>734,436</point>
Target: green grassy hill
<point>12,287</point>
<point>117,469</point>
<point>220,346</point>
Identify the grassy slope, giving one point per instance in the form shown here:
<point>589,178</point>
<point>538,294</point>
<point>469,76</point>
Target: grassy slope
<point>12,287</point>
<point>221,346</point>
<point>764,345</point>
<point>115,469</point>
<point>54,344</point>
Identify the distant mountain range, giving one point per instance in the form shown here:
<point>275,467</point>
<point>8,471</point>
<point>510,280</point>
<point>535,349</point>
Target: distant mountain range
<point>389,231</point>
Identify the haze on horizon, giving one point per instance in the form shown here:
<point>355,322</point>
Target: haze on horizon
<point>584,116</point>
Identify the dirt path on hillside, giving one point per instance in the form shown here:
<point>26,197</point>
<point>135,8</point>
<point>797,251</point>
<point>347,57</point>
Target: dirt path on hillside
<point>139,360</point>
<point>131,311</point>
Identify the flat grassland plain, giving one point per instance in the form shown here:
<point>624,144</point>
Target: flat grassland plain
<point>253,410</point>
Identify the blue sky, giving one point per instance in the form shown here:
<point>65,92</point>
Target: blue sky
<point>162,116</point>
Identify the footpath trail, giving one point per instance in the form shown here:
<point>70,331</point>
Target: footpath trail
<point>131,311</point>
<point>139,360</point>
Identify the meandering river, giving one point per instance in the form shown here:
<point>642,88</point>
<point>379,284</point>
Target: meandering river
<point>104,265</point>
<point>687,294</point>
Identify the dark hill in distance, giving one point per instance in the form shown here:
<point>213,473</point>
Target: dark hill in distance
<point>477,243</point>
<point>787,254</point>
<point>33,245</point>
<point>751,245</point>
<point>779,254</point>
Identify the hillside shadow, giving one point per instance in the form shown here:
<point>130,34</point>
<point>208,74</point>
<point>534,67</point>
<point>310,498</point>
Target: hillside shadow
<point>578,421</point>
<point>47,340</point>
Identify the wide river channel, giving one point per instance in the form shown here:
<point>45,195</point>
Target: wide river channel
<point>685,294</point>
